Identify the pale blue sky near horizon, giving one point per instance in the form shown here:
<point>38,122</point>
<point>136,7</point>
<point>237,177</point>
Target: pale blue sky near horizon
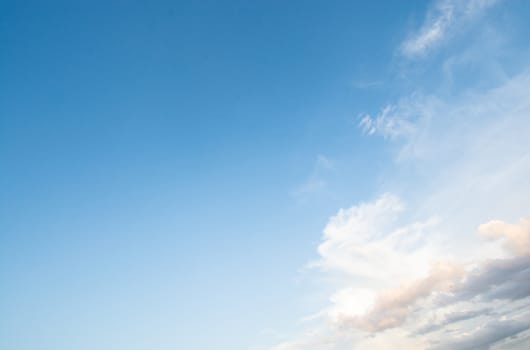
<point>167,168</point>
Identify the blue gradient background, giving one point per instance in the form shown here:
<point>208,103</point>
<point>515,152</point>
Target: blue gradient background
<point>149,152</point>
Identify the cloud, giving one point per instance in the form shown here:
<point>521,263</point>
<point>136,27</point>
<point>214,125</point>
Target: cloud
<point>392,307</point>
<point>447,305</point>
<point>497,279</point>
<point>516,237</point>
<point>365,240</point>
<point>391,122</point>
<point>446,283</point>
<point>398,272</point>
<point>439,22</point>
<point>453,317</point>
<point>487,335</point>
<point>439,260</point>
<point>386,250</point>
<point>456,292</point>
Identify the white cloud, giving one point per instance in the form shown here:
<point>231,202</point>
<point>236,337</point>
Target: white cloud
<point>441,19</point>
<point>516,237</point>
<point>391,122</point>
<point>365,241</point>
<point>419,312</point>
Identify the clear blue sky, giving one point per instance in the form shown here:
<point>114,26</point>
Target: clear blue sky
<point>167,167</point>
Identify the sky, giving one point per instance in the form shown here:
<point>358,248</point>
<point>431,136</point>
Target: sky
<point>265,175</point>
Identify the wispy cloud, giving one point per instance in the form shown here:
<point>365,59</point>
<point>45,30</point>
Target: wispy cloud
<point>391,122</point>
<point>440,21</point>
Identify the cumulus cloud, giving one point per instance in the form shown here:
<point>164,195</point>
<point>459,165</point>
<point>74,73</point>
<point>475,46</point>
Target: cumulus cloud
<point>366,240</point>
<point>454,293</point>
<point>440,21</point>
<point>447,305</point>
<point>355,242</point>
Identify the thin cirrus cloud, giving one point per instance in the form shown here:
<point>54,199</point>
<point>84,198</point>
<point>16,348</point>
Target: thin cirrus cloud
<point>441,20</point>
<point>441,259</point>
<point>392,122</point>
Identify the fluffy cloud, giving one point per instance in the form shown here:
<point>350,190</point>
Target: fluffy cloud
<point>516,237</point>
<point>366,241</point>
<point>361,241</point>
<point>448,305</point>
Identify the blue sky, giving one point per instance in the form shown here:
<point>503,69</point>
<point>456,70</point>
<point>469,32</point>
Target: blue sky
<point>264,175</point>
